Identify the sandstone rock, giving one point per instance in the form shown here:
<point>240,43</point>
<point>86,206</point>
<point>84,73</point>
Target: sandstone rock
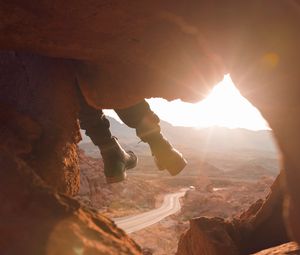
<point>260,227</point>
<point>139,43</point>
<point>265,220</point>
<point>144,49</point>
<point>208,237</point>
<point>38,133</point>
<point>93,187</point>
<point>42,89</point>
<point>147,251</point>
<point>36,220</point>
<point>284,249</point>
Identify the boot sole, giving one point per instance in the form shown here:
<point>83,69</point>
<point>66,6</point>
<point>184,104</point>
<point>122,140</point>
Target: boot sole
<point>177,167</point>
<point>116,179</point>
<point>174,164</point>
<point>122,177</point>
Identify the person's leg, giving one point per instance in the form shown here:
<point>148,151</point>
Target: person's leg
<point>146,124</point>
<point>95,124</point>
<point>115,159</point>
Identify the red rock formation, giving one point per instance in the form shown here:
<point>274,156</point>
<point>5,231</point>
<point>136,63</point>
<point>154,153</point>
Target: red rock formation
<point>140,45</point>
<point>38,149</point>
<point>43,89</point>
<point>143,49</point>
<point>261,226</point>
<point>208,237</point>
<point>36,220</point>
<point>284,249</point>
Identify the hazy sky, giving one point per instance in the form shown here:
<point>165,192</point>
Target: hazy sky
<point>224,106</point>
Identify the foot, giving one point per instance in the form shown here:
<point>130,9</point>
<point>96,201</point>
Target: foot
<point>166,157</point>
<point>116,161</point>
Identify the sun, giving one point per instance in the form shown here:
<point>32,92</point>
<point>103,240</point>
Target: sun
<point>224,106</point>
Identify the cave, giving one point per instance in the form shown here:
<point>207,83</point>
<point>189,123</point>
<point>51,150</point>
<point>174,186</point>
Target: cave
<point>140,50</point>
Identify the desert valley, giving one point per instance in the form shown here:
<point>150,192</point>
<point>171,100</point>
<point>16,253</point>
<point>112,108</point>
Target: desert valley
<point>227,171</point>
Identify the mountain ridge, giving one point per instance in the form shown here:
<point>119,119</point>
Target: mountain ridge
<point>214,138</point>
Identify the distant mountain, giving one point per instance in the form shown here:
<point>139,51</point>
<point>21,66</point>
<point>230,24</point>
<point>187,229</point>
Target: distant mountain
<point>220,138</point>
<point>210,139</point>
<point>223,148</point>
<point>254,171</point>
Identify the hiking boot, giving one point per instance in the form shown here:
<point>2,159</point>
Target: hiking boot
<point>116,161</point>
<point>166,157</point>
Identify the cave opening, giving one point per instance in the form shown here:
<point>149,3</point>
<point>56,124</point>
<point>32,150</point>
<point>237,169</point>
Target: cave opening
<point>232,163</point>
<point>124,53</point>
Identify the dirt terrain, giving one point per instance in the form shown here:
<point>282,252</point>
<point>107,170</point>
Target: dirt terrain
<point>217,198</point>
<point>221,186</point>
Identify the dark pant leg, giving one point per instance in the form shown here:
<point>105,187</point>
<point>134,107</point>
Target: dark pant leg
<point>134,115</point>
<point>94,122</point>
<point>142,118</point>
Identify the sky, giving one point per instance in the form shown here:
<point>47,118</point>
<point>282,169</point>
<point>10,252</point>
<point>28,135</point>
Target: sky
<point>224,106</point>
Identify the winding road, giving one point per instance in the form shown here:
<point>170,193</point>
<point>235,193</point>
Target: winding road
<point>169,206</point>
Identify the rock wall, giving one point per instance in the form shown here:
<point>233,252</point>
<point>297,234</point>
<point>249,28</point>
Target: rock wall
<point>260,227</point>
<point>43,89</point>
<point>37,220</point>
<point>285,249</point>
<point>38,159</point>
<point>140,45</point>
<point>141,49</point>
